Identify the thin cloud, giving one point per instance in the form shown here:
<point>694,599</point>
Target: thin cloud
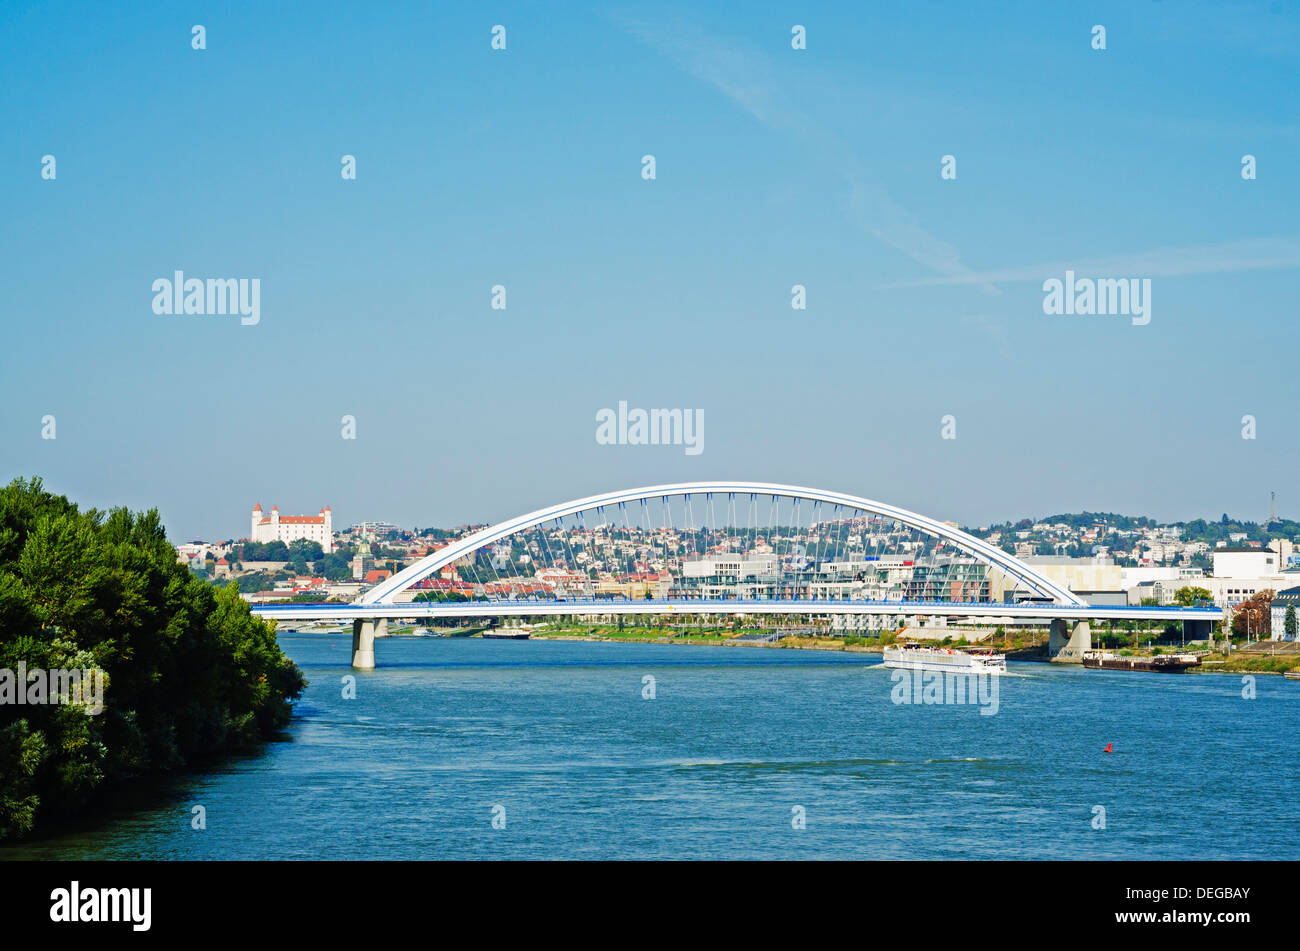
<point>744,75</point>
<point>1253,254</point>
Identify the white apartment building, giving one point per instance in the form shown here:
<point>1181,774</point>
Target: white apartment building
<point>1078,574</point>
<point>1289,597</point>
<point>1246,562</point>
<point>1242,581</point>
<point>1174,575</point>
<point>288,528</point>
<point>1160,582</point>
<point>736,566</point>
<point>1232,591</point>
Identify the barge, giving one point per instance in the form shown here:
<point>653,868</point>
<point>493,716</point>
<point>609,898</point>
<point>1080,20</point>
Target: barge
<point>1156,663</point>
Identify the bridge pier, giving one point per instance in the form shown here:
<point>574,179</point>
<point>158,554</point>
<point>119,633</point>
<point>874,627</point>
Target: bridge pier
<point>363,641</point>
<point>1063,649</point>
<point>1197,630</point>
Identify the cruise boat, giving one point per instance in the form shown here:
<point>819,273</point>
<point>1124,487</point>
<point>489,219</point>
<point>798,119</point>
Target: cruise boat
<point>978,660</point>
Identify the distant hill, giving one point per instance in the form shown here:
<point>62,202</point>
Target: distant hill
<point>1195,530</point>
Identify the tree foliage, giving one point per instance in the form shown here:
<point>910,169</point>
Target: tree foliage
<point>189,670</point>
<point>260,551</point>
<point>1189,595</point>
<point>1254,616</point>
<point>333,567</point>
<point>303,549</point>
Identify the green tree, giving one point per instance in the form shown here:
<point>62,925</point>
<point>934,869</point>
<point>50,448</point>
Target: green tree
<point>1253,617</point>
<point>333,567</point>
<point>304,550</point>
<point>260,581</point>
<point>264,551</point>
<point>1289,622</point>
<point>189,670</point>
<point>1188,595</point>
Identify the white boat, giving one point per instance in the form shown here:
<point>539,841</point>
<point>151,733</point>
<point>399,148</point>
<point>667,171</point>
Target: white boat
<point>980,660</point>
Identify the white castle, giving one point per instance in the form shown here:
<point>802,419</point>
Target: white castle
<point>287,528</point>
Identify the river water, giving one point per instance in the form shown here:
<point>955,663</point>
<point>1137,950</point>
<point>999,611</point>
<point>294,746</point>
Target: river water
<point>738,747</point>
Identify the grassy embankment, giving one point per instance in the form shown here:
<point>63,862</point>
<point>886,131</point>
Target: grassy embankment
<point>638,634</point>
<point>1265,657</point>
<point>1017,643</point>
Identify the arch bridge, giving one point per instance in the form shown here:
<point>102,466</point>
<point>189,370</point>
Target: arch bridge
<point>722,548</point>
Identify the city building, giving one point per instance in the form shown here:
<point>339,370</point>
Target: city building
<point>1178,575</point>
<point>1159,591</point>
<point>193,555</point>
<point>1161,584</point>
<point>1290,597</point>
<point>733,566</point>
<point>1079,574</point>
<point>362,562</point>
<point>948,580</point>
<point>1244,562</point>
<point>1230,592</point>
<point>635,587</point>
<point>730,575</point>
<point>289,528</point>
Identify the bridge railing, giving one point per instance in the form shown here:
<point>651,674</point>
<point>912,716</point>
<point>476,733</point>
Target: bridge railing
<point>902,606</point>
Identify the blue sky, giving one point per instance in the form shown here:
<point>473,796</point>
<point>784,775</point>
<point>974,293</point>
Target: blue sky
<point>775,167</point>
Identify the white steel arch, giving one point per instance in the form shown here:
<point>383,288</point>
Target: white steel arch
<point>386,591</point>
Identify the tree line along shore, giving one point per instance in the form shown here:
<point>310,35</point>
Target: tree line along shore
<point>188,672</point>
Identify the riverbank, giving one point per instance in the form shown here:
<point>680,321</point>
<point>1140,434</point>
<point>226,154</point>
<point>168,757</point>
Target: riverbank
<point>792,642</point>
<point>1023,648</point>
<point>1256,658</point>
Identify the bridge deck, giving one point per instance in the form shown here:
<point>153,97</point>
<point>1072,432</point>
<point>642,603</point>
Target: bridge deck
<point>523,608</point>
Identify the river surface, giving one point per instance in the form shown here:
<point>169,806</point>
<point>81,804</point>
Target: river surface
<point>738,747</point>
